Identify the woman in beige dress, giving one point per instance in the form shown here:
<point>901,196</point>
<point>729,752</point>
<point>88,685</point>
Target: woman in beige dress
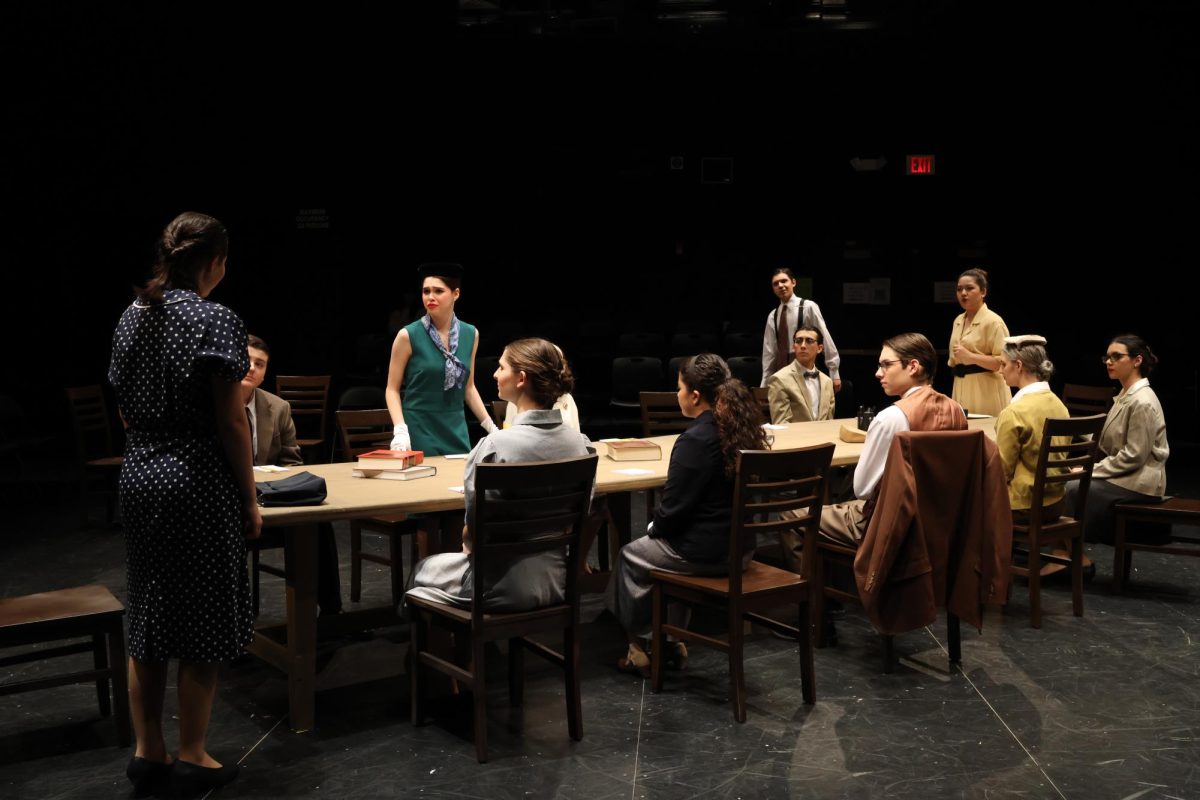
<point>975,347</point>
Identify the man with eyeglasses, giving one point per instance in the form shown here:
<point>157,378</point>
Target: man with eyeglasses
<point>800,392</point>
<point>793,313</point>
<point>907,363</point>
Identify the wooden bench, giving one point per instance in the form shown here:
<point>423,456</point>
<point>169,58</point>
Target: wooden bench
<point>1176,510</point>
<point>90,611</point>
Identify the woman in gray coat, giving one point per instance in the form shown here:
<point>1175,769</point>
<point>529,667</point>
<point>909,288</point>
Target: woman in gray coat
<point>532,375</point>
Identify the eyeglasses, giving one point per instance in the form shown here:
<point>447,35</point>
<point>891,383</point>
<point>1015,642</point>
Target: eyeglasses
<point>884,365</point>
<point>805,340</point>
<point>1108,358</point>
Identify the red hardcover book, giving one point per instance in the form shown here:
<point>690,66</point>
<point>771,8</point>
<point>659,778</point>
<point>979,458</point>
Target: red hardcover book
<point>391,459</point>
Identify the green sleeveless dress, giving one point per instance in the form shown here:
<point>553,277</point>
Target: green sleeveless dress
<point>436,419</point>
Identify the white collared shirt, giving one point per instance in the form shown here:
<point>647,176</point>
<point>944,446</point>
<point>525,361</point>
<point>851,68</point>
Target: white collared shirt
<point>1033,388</point>
<point>873,460</point>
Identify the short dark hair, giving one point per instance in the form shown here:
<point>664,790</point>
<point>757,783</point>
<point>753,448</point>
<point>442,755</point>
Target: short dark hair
<point>258,344</point>
<point>820,336</point>
<point>914,346</point>
<point>785,270</point>
<point>1137,346</point>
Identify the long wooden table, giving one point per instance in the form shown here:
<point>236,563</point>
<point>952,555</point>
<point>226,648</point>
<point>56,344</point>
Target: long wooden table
<point>351,498</point>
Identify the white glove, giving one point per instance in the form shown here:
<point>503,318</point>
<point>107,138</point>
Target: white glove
<point>400,440</point>
<point>488,425</point>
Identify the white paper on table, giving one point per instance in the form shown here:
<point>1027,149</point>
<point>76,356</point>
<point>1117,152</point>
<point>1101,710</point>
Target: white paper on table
<point>270,468</point>
<point>456,455</point>
<point>768,426</point>
<point>458,489</point>
<point>634,471</point>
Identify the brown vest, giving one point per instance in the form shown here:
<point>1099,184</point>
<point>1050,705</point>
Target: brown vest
<point>929,410</point>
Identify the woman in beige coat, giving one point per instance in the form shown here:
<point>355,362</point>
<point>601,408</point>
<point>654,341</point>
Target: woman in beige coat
<point>976,343</point>
<point>1133,442</point>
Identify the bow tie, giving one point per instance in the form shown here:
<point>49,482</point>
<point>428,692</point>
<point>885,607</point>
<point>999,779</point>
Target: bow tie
<point>812,374</point>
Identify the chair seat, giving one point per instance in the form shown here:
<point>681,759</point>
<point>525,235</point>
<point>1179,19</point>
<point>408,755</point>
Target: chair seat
<point>105,463</point>
<point>463,615</point>
<point>1178,508</point>
<point>64,604</point>
<point>758,579</point>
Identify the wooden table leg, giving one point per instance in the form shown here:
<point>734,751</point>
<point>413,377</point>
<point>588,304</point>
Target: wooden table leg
<point>300,553</point>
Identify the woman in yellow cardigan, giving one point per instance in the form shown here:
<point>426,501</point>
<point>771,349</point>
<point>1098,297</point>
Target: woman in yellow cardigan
<point>1025,367</point>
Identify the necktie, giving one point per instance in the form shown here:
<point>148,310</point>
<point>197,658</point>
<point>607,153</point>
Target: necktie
<point>783,347</point>
<point>253,443</point>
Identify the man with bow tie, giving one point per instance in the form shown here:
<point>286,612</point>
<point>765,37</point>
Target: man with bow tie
<point>800,392</point>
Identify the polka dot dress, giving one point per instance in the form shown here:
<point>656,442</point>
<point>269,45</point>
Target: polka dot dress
<point>189,594</point>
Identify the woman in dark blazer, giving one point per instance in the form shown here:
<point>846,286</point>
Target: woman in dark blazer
<point>690,530</point>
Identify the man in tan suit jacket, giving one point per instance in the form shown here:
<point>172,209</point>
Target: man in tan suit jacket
<point>791,390</point>
<point>274,441</point>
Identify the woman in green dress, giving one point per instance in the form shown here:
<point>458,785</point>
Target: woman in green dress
<point>434,359</point>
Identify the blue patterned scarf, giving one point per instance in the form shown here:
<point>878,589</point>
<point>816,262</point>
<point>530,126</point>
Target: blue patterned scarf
<point>456,371</point>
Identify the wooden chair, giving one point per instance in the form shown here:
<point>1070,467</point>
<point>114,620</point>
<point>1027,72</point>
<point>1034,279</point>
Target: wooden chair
<point>1063,450</point>
<point>520,509</point>
<point>765,483</point>
<point>820,554</point>
<point>85,611</point>
<point>309,398</point>
<point>661,414</point>
<point>100,463</point>
<point>1177,510</point>
<point>361,432</point>
<point>1084,401</point>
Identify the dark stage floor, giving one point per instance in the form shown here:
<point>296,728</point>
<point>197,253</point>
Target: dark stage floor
<point>1106,706</point>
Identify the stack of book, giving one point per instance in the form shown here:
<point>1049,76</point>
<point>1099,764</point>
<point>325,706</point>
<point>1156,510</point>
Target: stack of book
<point>393,465</point>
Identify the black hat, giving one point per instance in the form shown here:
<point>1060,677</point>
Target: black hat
<point>440,269</point>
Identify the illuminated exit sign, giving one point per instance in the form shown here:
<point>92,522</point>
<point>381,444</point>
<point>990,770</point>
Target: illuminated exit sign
<point>919,165</point>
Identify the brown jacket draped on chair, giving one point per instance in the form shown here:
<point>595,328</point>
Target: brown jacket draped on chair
<point>941,533</point>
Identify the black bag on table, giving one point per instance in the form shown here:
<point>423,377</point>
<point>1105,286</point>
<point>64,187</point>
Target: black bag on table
<point>301,489</point>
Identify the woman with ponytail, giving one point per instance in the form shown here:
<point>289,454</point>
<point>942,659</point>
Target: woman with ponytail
<point>533,375</point>
<point>187,499</point>
<point>1133,442</point>
<point>690,530</point>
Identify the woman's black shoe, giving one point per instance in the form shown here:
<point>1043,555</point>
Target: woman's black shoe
<point>189,779</point>
<point>147,777</point>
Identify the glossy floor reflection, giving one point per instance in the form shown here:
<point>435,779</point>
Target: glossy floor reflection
<point>1106,706</point>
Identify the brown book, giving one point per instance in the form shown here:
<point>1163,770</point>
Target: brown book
<point>390,459</point>
<point>412,473</point>
<point>634,450</point>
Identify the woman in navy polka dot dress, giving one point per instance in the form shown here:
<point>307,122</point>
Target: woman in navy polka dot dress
<point>187,496</point>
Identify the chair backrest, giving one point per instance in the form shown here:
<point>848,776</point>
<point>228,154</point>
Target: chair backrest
<point>357,397</point>
<point>747,369</point>
<point>767,482</point>
<point>1084,401</point>
<point>308,396</point>
<point>526,508</point>
<point>640,343</point>
<point>763,400</point>
<point>661,414</point>
<point>634,374</point>
<point>89,415</point>
<point>742,344</point>
<point>1068,453</point>
<point>691,343</point>
<point>364,430</point>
